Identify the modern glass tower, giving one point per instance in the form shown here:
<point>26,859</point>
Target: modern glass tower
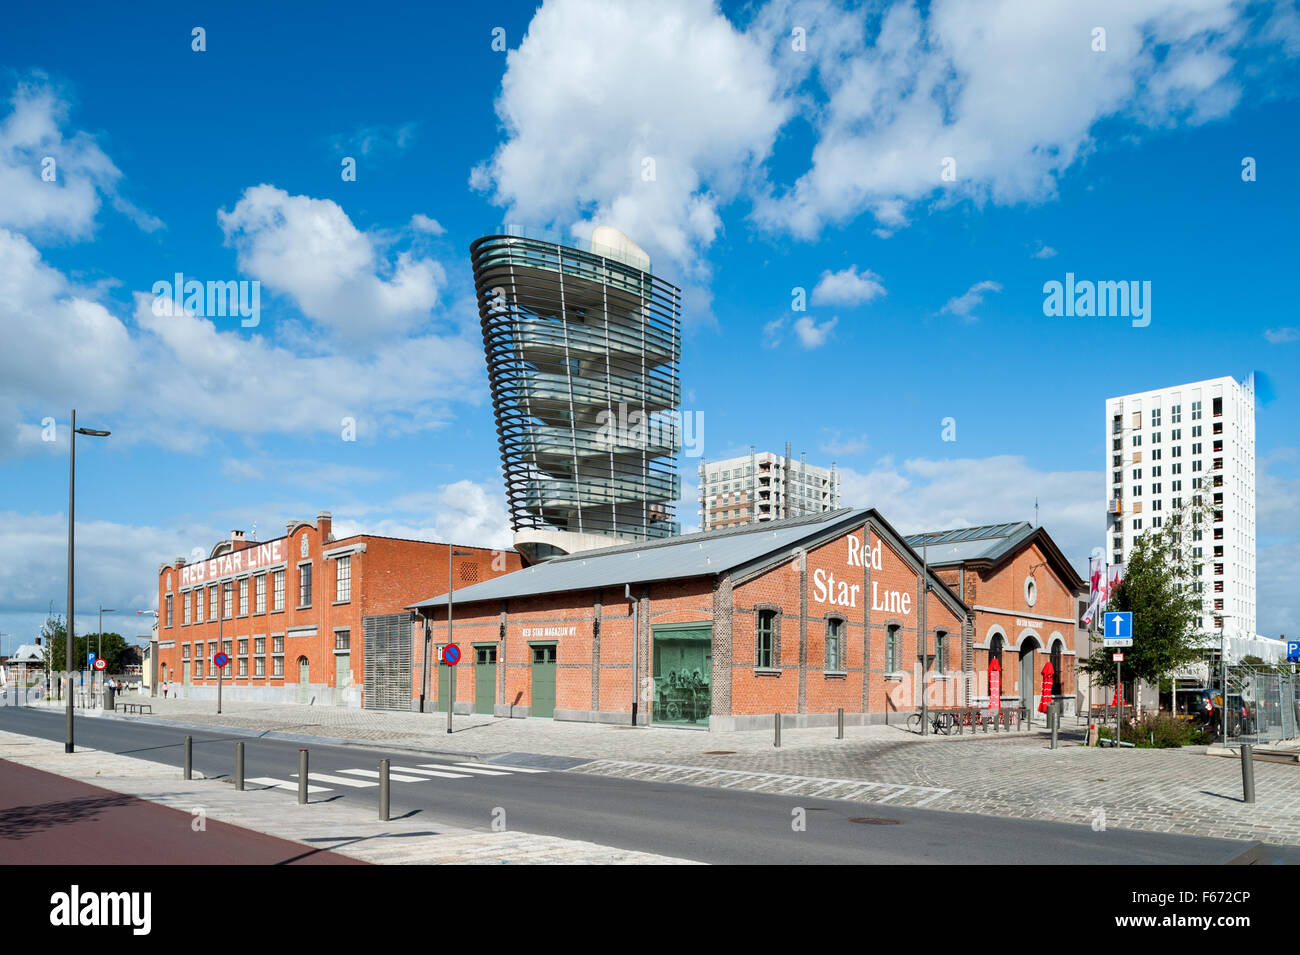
<point>582,346</point>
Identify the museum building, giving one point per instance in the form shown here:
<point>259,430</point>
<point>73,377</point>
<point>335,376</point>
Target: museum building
<point>292,614</point>
<point>720,629</point>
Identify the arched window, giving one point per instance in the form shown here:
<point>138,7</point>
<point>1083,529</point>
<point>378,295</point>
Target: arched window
<point>1056,669</point>
<point>995,649</point>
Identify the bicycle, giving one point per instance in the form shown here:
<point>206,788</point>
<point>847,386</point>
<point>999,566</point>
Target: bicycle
<point>939,722</point>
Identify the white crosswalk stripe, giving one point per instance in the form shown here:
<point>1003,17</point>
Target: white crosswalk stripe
<point>338,780</point>
<point>429,772</point>
<point>285,784</point>
<point>396,777</point>
<point>466,769</point>
<point>509,769</point>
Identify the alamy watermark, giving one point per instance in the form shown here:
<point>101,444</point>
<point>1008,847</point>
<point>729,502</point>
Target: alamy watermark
<point>640,430</point>
<point>1123,299</point>
<point>209,300</point>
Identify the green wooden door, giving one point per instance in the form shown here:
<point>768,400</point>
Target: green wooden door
<point>304,680</point>
<point>485,679</point>
<point>342,678</point>
<point>543,702</point>
<point>444,687</point>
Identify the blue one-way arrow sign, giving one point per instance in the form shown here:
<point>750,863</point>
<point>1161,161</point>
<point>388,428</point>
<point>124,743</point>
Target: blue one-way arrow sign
<point>1117,629</point>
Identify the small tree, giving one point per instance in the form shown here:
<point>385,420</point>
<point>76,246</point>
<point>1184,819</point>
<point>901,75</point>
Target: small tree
<point>1164,614</point>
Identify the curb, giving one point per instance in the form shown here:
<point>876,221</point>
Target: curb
<point>325,740</point>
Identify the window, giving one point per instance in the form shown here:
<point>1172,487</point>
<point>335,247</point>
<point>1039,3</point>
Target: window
<point>243,597</point>
<point>185,651</point>
<point>1155,417</point>
<point>212,603</point>
<point>198,664</point>
<point>892,650</point>
<point>1196,410</point>
<point>834,634</point>
<point>259,593</point>
<point>277,581</point>
<point>1176,414</point>
<point>1137,474</point>
<point>304,585</point>
<point>1137,440</point>
<point>766,638</point>
<point>186,611</point>
<point>169,610</point>
<point>1155,438</point>
<point>941,652</point>
<point>277,655</point>
<point>1137,524</point>
<point>1176,434</point>
<point>342,639</point>
<point>259,656</point>
<point>227,600</point>
<point>198,605</point>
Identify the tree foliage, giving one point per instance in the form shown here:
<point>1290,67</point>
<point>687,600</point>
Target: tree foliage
<point>54,642</point>
<point>1164,613</point>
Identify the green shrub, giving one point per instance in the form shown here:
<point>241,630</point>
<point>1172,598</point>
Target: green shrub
<point>1160,731</point>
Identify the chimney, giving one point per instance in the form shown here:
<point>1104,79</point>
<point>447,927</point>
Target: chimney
<point>325,526</point>
<point>236,537</point>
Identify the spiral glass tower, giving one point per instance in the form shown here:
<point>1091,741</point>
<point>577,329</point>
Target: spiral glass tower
<point>582,346</point>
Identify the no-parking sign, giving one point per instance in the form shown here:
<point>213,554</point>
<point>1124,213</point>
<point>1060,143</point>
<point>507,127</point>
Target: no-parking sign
<point>451,654</point>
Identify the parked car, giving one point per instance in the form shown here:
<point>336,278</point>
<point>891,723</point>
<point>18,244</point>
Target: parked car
<point>1205,708</point>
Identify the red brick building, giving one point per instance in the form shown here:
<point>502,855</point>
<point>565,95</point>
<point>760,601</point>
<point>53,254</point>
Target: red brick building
<point>1023,594</point>
<point>719,629</point>
<point>291,613</point>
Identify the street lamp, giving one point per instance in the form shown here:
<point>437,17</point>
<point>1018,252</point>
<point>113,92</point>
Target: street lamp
<point>99,646</point>
<point>72,507</point>
<point>451,676</point>
<point>1223,668</point>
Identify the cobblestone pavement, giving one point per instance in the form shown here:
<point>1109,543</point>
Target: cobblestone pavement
<point>1180,791</point>
<point>316,825</point>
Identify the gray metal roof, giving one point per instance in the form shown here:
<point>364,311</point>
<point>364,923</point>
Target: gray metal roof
<point>690,555</point>
<point>986,542</point>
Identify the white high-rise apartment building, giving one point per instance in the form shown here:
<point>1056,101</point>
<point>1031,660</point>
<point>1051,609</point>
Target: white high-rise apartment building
<point>1168,446</point>
<point>762,486</point>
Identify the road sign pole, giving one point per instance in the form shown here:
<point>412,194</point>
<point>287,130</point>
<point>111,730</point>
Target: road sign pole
<point>1119,700</point>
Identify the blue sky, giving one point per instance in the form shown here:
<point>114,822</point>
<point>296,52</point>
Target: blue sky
<point>782,160</point>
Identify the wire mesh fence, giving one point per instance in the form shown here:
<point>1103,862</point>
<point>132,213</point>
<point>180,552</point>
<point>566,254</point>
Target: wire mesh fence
<point>1262,705</point>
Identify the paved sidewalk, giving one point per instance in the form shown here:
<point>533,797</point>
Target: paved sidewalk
<point>1017,774</point>
<point>315,826</point>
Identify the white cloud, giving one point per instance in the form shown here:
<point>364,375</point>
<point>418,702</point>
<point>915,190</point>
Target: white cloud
<point>1282,335</point>
<point>848,287</point>
<point>900,94</point>
<point>377,139</point>
<point>83,175</point>
<point>70,350</point>
<point>422,223</point>
<point>595,90</point>
<point>812,334</point>
<point>1043,252</point>
<point>309,249</point>
<point>839,446</point>
<point>966,303</point>
<point>464,512</point>
<point>924,494</point>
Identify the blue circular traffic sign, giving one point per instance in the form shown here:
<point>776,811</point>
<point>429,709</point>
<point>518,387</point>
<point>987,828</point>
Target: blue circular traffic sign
<point>451,654</point>
<point>221,659</point>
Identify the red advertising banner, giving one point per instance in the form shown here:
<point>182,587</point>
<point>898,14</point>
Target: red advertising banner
<point>1048,672</point>
<point>995,684</point>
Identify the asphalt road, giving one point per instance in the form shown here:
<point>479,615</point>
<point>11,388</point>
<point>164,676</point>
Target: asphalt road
<point>701,823</point>
<point>51,820</point>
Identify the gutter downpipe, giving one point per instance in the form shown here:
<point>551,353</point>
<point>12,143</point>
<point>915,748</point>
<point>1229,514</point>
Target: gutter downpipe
<point>636,649</point>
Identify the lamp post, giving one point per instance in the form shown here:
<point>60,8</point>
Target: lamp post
<point>1223,669</point>
<point>451,676</point>
<point>99,645</point>
<point>72,520</point>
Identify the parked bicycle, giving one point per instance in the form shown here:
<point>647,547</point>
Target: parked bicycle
<point>939,722</point>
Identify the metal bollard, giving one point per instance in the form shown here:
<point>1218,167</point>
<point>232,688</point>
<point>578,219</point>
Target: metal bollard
<point>986,725</point>
<point>1248,772</point>
<point>383,790</point>
<point>777,721</point>
<point>239,767</point>
<point>841,724</point>
<point>302,777</point>
<point>1055,720</point>
<point>189,757</point>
